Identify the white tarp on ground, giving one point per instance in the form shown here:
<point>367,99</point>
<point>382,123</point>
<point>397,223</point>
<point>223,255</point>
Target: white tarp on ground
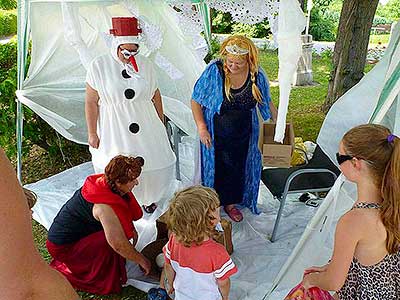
<point>258,260</point>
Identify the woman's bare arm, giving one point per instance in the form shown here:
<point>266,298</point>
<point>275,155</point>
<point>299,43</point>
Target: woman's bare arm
<point>157,101</point>
<point>116,237</point>
<point>23,272</point>
<point>347,235</point>
<point>197,111</point>
<point>92,115</point>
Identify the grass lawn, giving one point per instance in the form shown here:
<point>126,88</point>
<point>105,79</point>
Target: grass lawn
<point>305,102</point>
<point>379,38</point>
<point>304,111</point>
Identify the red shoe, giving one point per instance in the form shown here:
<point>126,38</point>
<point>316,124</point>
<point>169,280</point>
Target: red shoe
<point>234,213</point>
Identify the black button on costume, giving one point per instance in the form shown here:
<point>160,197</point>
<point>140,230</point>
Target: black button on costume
<point>129,93</point>
<point>125,74</point>
<point>134,128</point>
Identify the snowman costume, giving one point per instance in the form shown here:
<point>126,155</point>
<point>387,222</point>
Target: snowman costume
<point>128,122</point>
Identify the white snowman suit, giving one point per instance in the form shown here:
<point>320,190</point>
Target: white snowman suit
<point>128,123</point>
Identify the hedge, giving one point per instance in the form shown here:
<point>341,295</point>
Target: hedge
<point>8,22</point>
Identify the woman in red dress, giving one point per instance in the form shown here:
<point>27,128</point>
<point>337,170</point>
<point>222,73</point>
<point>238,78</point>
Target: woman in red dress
<point>89,239</point>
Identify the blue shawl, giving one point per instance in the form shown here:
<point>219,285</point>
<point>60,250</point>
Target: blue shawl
<point>208,92</point>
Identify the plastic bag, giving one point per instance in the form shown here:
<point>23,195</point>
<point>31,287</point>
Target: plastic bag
<point>299,152</point>
<point>314,293</point>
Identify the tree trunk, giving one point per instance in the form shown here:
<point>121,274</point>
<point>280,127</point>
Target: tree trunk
<point>351,47</point>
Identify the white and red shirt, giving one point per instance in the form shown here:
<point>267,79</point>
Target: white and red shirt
<point>198,268</point>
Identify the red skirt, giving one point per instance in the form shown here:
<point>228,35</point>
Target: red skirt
<point>90,264</point>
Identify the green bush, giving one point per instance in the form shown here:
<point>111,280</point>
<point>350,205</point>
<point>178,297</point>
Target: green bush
<point>8,4</point>
<point>213,53</point>
<point>8,58</point>
<point>259,30</point>
<point>222,23</point>
<point>8,22</point>
<point>389,11</point>
<point>8,85</point>
<point>36,131</point>
<point>323,26</point>
<point>380,20</point>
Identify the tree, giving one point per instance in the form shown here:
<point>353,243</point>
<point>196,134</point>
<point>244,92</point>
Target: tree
<point>8,4</point>
<point>391,10</point>
<point>351,47</point>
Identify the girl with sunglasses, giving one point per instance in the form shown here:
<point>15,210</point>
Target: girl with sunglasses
<point>366,258</point>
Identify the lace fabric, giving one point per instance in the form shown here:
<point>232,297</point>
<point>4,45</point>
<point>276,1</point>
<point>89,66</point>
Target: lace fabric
<point>243,11</point>
<point>248,11</point>
<point>191,23</point>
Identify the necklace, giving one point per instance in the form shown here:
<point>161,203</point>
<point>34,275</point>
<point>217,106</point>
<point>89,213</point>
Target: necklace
<point>367,205</point>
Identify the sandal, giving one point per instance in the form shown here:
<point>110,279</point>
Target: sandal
<point>234,214</point>
<point>150,208</point>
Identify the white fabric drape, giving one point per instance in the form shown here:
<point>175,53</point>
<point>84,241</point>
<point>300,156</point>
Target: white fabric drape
<point>73,34</point>
<point>290,25</point>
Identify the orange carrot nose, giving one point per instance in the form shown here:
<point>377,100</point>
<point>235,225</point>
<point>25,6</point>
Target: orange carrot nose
<point>134,64</point>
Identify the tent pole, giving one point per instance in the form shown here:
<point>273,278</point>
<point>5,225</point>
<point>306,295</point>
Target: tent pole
<point>22,47</point>
<point>19,133</point>
<point>205,13</point>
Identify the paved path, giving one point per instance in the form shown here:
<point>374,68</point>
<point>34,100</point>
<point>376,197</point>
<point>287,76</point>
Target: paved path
<point>5,39</point>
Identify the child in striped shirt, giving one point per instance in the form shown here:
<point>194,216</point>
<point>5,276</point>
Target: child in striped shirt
<point>196,266</point>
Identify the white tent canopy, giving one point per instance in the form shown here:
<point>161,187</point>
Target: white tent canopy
<point>66,34</point>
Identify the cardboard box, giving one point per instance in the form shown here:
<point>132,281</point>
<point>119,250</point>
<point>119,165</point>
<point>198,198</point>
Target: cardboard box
<point>276,154</point>
<point>225,237</point>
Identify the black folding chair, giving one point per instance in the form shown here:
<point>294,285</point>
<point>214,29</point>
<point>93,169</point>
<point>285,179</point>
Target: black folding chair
<point>318,175</point>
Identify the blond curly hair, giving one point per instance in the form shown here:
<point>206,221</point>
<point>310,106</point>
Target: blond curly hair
<point>251,57</point>
<point>189,214</point>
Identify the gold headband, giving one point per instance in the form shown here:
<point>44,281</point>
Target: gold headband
<point>236,50</point>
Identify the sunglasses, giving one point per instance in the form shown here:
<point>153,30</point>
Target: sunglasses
<point>126,53</point>
<point>341,158</point>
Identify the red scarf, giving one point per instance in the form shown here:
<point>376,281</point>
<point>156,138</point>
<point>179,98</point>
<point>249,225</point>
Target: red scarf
<point>96,190</point>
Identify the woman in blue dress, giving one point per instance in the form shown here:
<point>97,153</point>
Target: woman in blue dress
<point>225,100</point>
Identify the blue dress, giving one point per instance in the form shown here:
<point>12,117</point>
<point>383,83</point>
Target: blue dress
<point>209,93</point>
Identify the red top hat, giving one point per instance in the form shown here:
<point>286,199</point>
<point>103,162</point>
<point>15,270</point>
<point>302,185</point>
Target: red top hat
<point>125,26</point>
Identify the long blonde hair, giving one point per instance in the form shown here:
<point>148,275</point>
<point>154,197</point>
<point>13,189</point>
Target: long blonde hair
<point>375,144</point>
<point>251,57</point>
<point>189,214</point>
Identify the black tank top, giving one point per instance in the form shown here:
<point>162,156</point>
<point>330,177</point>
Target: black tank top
<point>74,221</point>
